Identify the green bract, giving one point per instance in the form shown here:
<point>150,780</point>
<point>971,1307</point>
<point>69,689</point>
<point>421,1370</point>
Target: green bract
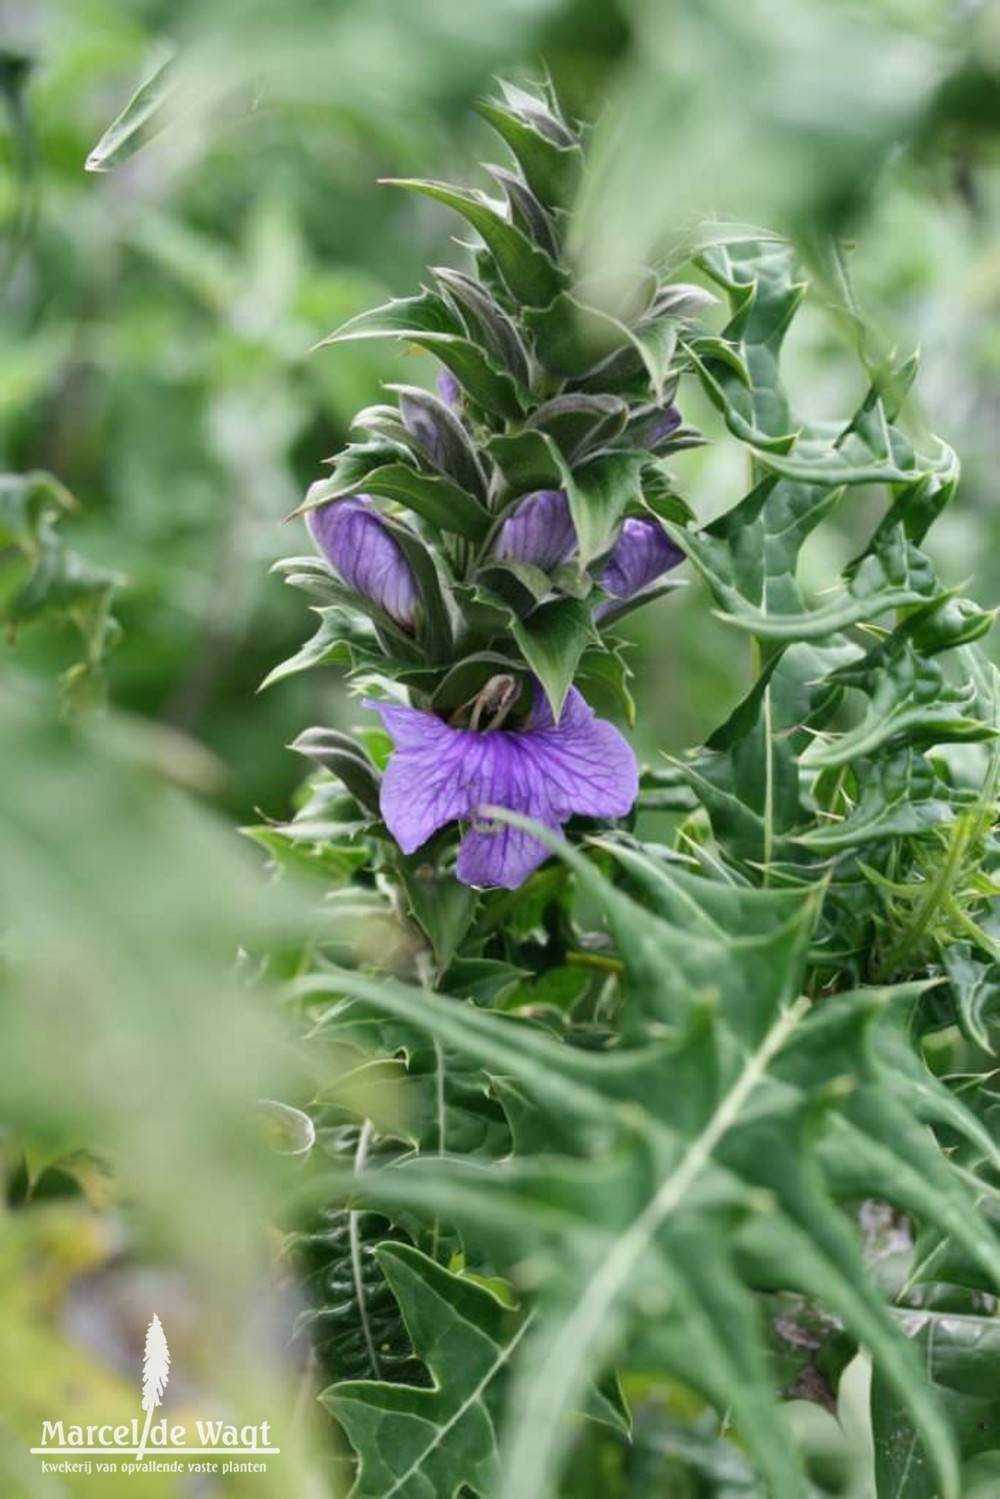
<point>641,1098</point>
<point>555,388</point>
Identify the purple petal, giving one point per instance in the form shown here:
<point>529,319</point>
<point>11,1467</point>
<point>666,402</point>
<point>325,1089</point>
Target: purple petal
<point>361,549</point>
<point>494,853</point>
<point>642,553</point>
<point>449,389</point>
<point>497,854</point>
<point>588,766</point>
<point>423,787</point>
<point>425,424</point>
<point>547,771</point>
<point>540,531</point>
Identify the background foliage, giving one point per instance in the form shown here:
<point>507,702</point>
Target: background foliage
<point>155,327</point>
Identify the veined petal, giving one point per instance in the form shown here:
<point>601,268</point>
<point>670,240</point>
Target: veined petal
<point>546,771</point>
<point>424,785</point>
<point>497,854</point>
<point>588,767</point>
<point>351,536</point>
<point>494,853</point>
<point>539,530</point>
<point>642,553</point>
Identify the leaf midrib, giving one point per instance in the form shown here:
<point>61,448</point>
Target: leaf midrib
<point>527,1467</point>
<point>470,1400</point>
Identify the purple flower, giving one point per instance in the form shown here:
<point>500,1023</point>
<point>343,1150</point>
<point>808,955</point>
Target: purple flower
<point>547,771</point>
<point>539,530</point>
<point>359,546</point>
<point>642,553</point>
<point>449,389</point>
<point>424,423</point>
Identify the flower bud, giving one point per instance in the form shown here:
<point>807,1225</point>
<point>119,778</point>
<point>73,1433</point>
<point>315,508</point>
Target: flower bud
<point>361,549</point>
<point>449,389</point>
<point>642,553</point>
<point>426,425</point>
<point>661,422</point>
<point>540,531</point>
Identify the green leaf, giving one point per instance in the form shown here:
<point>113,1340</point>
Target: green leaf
<point>900,796</point>
<point>433,496</point>
<point>552,640</point>
<point>818,459</point>
<point>742,946</point>
<point>571,338</point>
<point>748,775</point>
<point>519,584</point>
<point>345,758</point>
<point>527,460</point>
<point>353,1320</point>
<point>51,579</point>
<point>26,502</point>
<point>749,556</point>
<point>961,1353</point>
<point>416,1442</point>
<point>621,1259</point>
<point>441,906</point>
<point>485,981</point>
<point>428,322</point>
<point>728,386</point>
<point>552,170</point>
<point>877,1141</point>
<point>487,322</point>
<point>531,276</point>
<point>526,210</point>
<point>977,989</point>
<point>330,646</point>
<point>145,114</point>
<point>579,423</point>
<point>599,495</point>
<point>910,702</point>
<point>434,623</point>
<point>335,864</point>
<point>759,276</point>
<point>656,340</point>
<point>740,370</point>
<point>574,340</point>
<point>441,438</point>
<point>917,504</point>
<point>729,1103</point>
<point>894,576</point>
<point>607,671</point>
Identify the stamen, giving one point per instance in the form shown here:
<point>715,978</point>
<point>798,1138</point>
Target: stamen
<point>494,703</point>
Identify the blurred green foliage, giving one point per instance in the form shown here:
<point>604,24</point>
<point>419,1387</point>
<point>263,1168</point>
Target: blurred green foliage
<point>154,337</point>
<point>155,332</point>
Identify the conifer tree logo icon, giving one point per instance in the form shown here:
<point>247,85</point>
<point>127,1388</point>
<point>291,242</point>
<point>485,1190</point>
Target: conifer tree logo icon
<point>155,1373</point>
